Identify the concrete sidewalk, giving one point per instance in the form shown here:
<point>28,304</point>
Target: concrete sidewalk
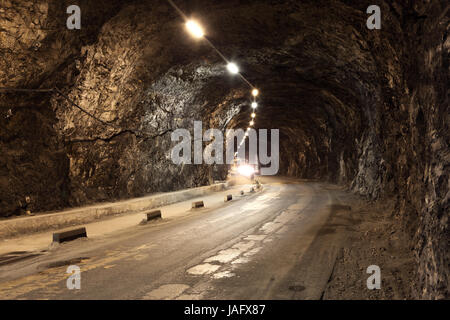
<point>97,230</point>
<point>51,221</point>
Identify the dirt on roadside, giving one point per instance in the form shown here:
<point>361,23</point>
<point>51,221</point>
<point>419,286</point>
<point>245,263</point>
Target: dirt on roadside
<point>376,238</point>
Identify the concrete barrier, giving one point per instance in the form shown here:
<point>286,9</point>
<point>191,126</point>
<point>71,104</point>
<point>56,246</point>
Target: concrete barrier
<point>52,221</point>
<point>228,198</point>
<point>197,204</point>
<point>152,215</point>
<point>69,235</point>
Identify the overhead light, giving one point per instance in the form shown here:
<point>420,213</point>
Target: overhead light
<point>195,29</point>
<point>252,123</point>
<point>253,115</point>
<point>232,67</point>
<point>255,92</point>
<point>254,105</point>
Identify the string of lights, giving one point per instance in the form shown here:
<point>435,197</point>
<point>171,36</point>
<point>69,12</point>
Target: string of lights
<point>197,31</point>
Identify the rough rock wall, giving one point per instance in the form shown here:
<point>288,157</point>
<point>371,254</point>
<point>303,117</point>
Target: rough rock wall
<point>428,146</point>
<point>36,50</point>
<point>404,153</point>
<point>134,78</point>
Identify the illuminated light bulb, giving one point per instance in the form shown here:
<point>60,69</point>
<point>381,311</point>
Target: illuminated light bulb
<point>254,105</point>
<point>255,92</point>
<point>252,122</point>
<point>233,68</point>
<point>253,115</point>
<point>194,29</point>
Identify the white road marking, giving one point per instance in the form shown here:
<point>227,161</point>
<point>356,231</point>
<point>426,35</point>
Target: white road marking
<point>201,269</point>
<point>241,260</point>
<point>255,237</point>
<point>224,274</point>
<point>166,292</point>
<point>225,256</point>
<point>241,252</point>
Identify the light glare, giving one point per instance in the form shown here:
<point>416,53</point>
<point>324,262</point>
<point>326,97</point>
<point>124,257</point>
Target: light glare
<point>254,105</point>
<point>255,92</point>
<point>253,115</point>
<point>194,29</point>
<point>246,170</point>
<point>233,68</point>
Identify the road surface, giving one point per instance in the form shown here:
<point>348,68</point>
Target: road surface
<point>279,243</point>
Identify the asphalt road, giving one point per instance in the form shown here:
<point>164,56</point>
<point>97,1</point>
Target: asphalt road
<point>279,243</point>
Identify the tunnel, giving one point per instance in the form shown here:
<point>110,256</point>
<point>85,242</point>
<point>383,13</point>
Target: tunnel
<point>86,115</point>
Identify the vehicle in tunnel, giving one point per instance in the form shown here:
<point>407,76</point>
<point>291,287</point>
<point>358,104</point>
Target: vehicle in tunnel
<point>115,119</point>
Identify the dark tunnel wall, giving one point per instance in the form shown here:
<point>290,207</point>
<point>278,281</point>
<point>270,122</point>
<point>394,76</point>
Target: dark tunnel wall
<point>364,108</point>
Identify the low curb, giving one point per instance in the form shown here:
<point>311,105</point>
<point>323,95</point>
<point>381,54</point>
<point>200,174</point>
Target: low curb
<point>198,204</point>
<point>69,235</point>
<point>73,217</point>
